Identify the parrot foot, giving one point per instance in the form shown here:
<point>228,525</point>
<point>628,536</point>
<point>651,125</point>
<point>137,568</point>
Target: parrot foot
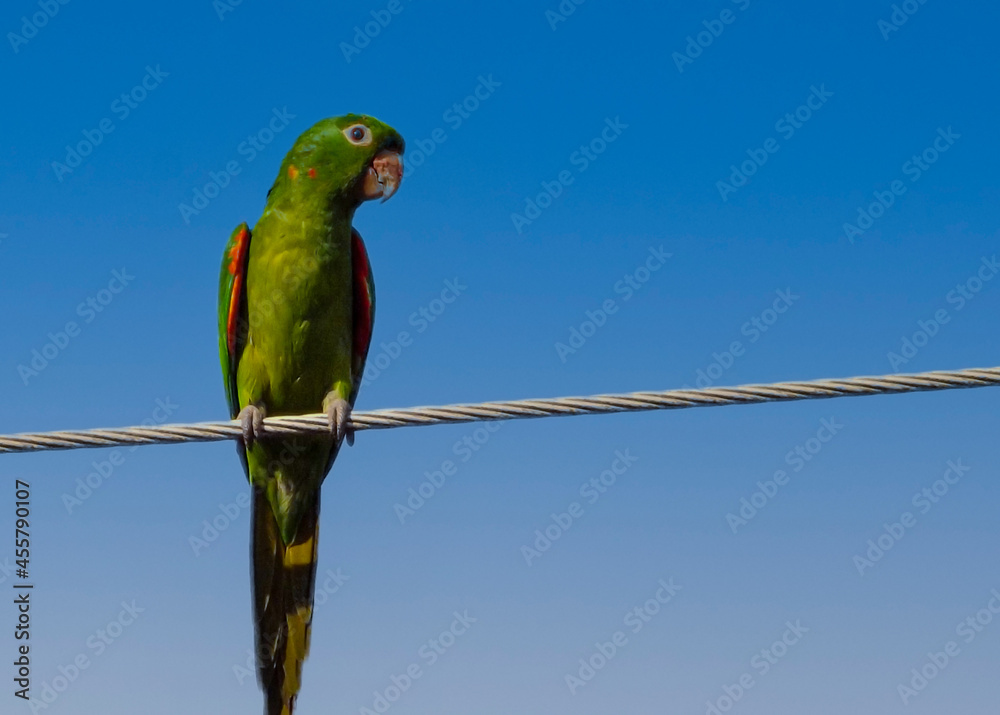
<point>338,412</point>
<point>251,419</point>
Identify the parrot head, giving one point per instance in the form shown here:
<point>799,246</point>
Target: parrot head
<point>353,158</point>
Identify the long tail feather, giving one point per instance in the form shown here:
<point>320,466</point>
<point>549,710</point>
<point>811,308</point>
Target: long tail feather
<point>283,581</point>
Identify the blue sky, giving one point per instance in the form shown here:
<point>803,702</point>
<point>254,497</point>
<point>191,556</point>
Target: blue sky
<point>679,173</point>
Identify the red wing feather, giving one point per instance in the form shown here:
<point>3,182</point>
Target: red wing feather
<point>232,310</point>
<point>364,309</point>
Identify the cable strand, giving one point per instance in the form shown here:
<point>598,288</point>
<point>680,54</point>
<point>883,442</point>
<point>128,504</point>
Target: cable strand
<point>512,409</point>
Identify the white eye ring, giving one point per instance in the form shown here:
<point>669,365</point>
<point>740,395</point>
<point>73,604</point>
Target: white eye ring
<point>358,134</point>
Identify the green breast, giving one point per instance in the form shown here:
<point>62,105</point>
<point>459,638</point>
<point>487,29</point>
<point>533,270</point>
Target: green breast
<point>299,300</point>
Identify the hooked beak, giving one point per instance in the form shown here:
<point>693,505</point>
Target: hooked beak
<point>383,176</point>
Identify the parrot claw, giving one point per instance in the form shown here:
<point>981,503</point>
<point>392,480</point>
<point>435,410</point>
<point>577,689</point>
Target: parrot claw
<point>251,420</point>
<point>338,412</point>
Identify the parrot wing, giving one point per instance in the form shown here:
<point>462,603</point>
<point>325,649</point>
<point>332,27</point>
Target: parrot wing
<point>233,311</point>
<point>233,320</point>
<point>364,310</point>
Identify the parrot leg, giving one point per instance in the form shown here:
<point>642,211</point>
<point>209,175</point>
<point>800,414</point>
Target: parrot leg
<point>251,419</point>
<point>338,412</point>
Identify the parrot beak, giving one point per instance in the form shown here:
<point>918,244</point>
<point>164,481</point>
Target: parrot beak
<point>383,176</point>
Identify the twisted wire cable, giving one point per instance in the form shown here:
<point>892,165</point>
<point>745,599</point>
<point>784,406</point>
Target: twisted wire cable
<point>512,410</point>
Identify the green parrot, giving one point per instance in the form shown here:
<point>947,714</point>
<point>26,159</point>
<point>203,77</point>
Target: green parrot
<point>296,310</point>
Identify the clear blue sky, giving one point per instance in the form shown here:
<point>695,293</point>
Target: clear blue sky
<point>600,142</point>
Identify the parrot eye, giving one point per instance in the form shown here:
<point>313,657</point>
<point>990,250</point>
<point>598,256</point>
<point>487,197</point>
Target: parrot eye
<point>358,134</point>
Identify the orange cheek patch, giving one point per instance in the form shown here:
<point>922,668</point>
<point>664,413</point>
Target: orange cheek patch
<point>293,173</point>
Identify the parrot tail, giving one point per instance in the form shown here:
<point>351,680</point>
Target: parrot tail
<point>284,577</point>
